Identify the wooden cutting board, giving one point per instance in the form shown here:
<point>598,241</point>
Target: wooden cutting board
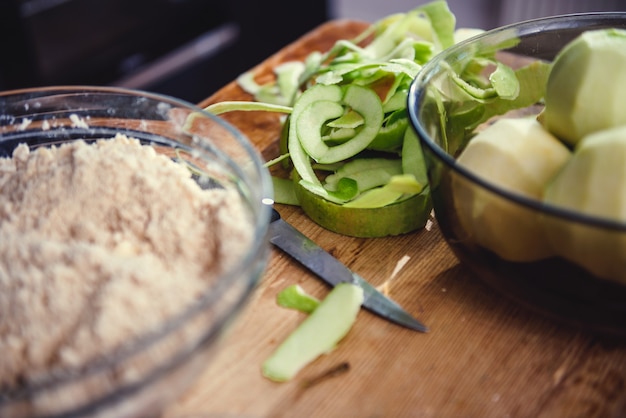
<point>484,356</point>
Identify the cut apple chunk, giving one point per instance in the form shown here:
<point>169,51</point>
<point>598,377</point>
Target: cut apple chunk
<point>518,155</point>
<point>593,183</point>
<point>318,334</point>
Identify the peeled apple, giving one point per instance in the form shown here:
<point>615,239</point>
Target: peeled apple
<point>514,154</point>
<point>593,182</point>
<point>586,86</point>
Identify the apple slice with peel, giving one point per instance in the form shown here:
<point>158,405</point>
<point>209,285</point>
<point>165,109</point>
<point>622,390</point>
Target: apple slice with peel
<point>318,334</point>
<point>514,154</point>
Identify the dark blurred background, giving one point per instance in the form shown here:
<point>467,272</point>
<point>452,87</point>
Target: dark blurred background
<point>185,48</point>
<point>190,48</point>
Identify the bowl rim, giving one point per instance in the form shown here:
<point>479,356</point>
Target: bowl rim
<point>254,259</point>
<point>418,86</point>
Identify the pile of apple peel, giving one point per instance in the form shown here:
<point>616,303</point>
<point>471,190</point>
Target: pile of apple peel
<point>355,164</point>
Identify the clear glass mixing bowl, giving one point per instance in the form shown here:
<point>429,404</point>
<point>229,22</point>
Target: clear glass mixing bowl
<point>164,361</point>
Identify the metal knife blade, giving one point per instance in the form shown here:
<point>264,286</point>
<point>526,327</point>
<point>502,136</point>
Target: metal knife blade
<point>332,271</point>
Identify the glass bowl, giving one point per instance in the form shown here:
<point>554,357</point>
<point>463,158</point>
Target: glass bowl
<point>557,283</point>
<point>166,328</point>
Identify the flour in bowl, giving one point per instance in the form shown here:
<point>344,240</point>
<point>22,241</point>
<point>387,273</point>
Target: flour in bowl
<point>100,243</point>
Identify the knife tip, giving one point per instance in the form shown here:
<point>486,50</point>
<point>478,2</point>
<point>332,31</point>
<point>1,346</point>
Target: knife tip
<point>414,325</point>
<point>421,328</point>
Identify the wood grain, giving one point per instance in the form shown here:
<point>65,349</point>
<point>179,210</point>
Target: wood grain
<point>484,356</point>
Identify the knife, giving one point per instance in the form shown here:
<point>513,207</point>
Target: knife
<point>332,271</point>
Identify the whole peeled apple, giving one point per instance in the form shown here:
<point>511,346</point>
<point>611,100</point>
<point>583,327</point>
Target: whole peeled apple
<point>593,183</point>
<point>586,87</point>
<point>517,155</point>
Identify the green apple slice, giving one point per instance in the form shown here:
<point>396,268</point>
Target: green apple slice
<point>318,334</point>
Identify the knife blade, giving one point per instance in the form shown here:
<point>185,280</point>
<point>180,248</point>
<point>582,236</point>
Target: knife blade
<point>333,271</point>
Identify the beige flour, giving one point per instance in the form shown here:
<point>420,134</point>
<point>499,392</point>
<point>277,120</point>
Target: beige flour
<point>99,243</point>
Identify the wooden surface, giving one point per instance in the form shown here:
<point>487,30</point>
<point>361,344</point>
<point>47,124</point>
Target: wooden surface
<point>484,356</point>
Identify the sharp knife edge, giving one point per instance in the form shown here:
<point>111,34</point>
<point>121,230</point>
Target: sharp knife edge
<point>332,271</point>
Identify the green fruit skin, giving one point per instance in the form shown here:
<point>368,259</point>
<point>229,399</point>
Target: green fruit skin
<point>395,219</point>
<point>593,182</point>
<point>587,85</point>
<point>390,138</point>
